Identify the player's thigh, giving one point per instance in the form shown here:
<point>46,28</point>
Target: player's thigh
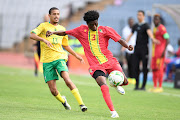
<point>118,68</point>
<point>65,75</point>
<point>49,72</point>
<point>61,66</point>
<point>52,84</point>
<point>100,78</point>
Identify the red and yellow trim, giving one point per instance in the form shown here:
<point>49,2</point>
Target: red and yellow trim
<point>93,38</point>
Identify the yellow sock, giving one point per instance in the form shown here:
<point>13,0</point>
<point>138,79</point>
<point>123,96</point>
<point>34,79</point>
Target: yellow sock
<point>76,94</point>
<point>59,97</point>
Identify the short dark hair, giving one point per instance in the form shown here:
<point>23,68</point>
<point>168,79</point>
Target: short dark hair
<point>157,15</point>
<point>142,12</point>
<point>130,18</point>
<point>53,8</point>
<point>91,16</point>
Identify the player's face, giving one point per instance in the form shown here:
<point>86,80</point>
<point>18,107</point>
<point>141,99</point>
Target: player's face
<point>93,25</point>
<point>156,21</point>
<point>140,16</point>
<point>131,22</point>
<point>54,16</point>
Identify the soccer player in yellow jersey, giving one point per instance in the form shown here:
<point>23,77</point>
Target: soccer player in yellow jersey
<point>54,57</point>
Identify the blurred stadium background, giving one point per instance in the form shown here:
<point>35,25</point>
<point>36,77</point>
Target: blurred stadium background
<point>19,17</point>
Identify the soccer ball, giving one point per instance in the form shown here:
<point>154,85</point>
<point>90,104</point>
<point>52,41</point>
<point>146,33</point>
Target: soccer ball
<point>116,78</point>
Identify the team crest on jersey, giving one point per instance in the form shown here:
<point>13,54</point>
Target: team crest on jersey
<point>100,30</point>
<point>85,30</point>
<point>90,71</point>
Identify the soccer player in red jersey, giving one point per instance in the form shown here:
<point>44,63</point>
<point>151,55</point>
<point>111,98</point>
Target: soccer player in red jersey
<point>94,39</point>
<point>158,53</point>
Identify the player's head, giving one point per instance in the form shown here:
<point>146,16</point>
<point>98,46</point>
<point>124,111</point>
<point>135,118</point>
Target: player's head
<point>157,19</point>
<point>54,15</point>
<point>141,15</point>
<point>91,18</point>
<point>130,22</point>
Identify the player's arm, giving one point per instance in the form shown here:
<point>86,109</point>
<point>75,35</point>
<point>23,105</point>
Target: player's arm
<point>60,33</point>
<point>150,34</point>
<point>127,40</point>
<point>129,37</point>
<point>70,50</point>
<point>125,44</point>
<point>37,38</point>
<point>111,33</point>
<point>166,37</point>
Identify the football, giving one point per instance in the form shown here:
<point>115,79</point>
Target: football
<point>116,78</point>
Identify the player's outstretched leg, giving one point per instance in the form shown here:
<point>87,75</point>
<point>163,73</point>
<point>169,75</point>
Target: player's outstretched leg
<point>74,90</point>
<point>56,93</point>
<point>101,81</point>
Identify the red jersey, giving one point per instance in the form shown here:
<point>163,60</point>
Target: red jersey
<point>158,49</point>
<point>95,43</point>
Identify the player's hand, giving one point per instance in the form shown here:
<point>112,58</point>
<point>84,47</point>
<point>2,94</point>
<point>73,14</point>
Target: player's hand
<point>80,59</point>
<point>163,54</point>
<point>48,33</point>
<point>48,43</point>
<point>155,41</point>
<point>130,48</point>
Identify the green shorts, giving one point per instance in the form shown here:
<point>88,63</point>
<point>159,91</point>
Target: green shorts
<point>51,69</point>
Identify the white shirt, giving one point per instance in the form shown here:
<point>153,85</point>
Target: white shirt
<point>125,33</point>
<point>169,48</point>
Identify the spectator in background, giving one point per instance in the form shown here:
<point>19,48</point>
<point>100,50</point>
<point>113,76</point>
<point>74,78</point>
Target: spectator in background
<point>173,65</point>
<point>129,54</point>
<point>158,53</point>
<point>141,51</point>
<point>169,51</point>
<point>37,50</point>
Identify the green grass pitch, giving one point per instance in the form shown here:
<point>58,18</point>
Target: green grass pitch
<point>25,97</point>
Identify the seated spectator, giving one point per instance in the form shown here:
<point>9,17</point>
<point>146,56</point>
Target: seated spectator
<point>173,64</point>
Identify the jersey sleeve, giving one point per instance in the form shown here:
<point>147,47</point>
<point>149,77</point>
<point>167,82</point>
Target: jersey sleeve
<point>38,29</point>
<point>74,32</point>
<point>147,26</point>
<point>111,33</point>
<point>65,40</point>
<point>163,30</point>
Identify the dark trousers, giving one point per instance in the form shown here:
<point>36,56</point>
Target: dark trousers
<point>140,54</point>
<point>129,58</point>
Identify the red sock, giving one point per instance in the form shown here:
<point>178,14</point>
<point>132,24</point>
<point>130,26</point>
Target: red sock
<point>124,84</point>
<point>155,77</point>
<point>160,78</point>
<point>107,97</point>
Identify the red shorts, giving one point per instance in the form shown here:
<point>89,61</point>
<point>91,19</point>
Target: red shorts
<point>107,67</point>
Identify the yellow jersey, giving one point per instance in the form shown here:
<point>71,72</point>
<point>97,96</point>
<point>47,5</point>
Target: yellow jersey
<point>56,52</point>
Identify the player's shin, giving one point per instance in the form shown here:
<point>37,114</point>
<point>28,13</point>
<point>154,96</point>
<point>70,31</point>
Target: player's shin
<point>155,77</point>
<point>77,95</point>
<point>107,97</point>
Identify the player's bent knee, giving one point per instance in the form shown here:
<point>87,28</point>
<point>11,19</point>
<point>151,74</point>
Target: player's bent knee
<point>54,91</point>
